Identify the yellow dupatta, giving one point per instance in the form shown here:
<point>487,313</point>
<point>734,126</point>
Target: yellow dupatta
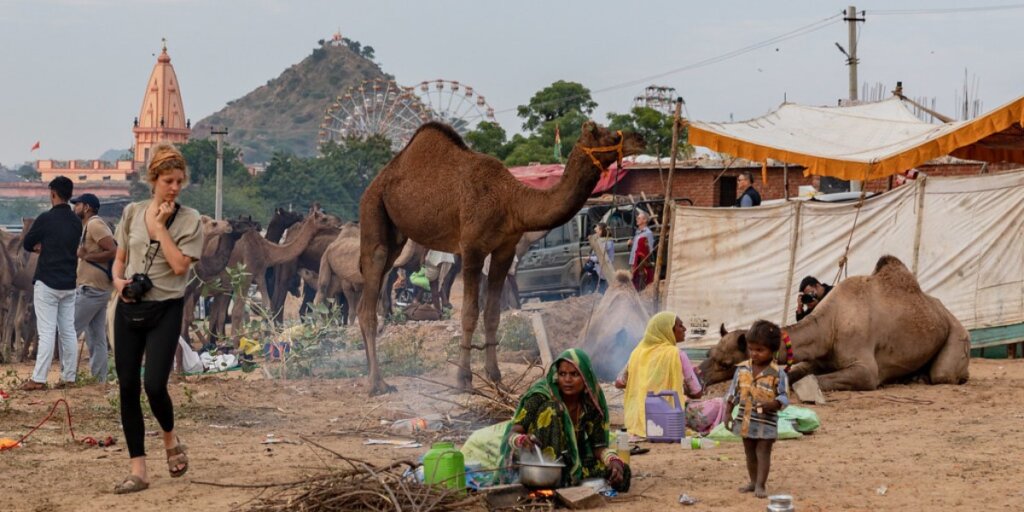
<point>653,366</point>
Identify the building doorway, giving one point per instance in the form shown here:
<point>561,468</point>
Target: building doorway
<point>726,191</point>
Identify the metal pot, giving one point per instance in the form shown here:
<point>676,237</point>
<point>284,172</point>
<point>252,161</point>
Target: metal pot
<point>543,476</point>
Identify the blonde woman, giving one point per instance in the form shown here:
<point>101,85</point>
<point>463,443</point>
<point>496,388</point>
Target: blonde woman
<point>158,240</point>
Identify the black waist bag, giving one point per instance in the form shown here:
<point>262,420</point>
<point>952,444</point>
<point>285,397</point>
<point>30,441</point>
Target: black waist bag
<point>142,315</point>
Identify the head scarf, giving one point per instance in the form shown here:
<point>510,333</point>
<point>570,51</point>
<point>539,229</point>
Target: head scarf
<point>653,366</point>
<point>548,387</point>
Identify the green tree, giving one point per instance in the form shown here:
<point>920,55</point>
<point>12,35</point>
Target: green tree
<point>28,172</point>
<point>13,210</point>
<point>336,179</point>
<point>527,150</point>
<point>556,101</point>
<point>489,138</point>
<point>655,127</point>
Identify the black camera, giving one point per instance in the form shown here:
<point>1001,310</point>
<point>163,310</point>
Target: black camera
<point>137,287</point>
<point>808,298</point>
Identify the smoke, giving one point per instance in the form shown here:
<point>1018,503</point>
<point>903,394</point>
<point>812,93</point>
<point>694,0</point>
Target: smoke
<point>616,326</point>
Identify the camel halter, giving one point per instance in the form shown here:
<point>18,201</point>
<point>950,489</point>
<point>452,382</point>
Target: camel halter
<point>604,149</point>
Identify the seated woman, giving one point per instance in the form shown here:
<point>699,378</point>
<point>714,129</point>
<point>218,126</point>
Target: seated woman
<point>657,365</point>
<point>565,414</point>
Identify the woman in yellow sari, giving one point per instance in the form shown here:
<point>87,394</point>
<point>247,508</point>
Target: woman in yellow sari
<point>657,365</point>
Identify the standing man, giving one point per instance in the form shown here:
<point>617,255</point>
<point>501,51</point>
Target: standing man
<point>640,252</point>
<point>54,235</point>
<point>748,194</point>
<point>96,251</point>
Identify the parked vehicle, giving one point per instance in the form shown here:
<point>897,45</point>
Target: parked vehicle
<point>553,267</point>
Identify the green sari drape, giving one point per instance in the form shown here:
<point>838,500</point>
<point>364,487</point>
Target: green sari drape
<point>543,414</point>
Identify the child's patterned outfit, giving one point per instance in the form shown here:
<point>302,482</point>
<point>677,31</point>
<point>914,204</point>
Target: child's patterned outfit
<point>746,390</point>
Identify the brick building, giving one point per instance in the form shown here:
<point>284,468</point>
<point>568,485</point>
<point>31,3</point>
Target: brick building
<point>709,182</point>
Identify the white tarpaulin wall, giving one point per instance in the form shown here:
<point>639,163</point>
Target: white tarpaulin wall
<point>733,266</point>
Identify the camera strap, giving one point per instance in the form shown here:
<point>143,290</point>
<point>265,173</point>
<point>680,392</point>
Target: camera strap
<point>156,243</point>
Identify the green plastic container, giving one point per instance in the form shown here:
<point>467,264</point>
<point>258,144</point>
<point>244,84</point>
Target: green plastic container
<point>443,465</point>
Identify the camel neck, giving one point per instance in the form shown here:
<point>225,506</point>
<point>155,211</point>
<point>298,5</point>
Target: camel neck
<point>542,210</point>
<point>810,340</point>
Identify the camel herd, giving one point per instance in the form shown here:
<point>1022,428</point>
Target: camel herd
<point>272,264</point>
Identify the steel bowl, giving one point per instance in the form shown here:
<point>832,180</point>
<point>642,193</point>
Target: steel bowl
<point>541,476</point>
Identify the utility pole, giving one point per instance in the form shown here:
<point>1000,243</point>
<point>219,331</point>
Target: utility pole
<point>219,208</point>
<point>851,21</point>
<point>852,61</point>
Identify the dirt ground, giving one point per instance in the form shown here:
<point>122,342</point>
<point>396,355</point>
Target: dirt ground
<point>905,447</point>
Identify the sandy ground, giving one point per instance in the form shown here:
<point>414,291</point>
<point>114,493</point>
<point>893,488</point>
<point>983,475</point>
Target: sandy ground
<point>906,447</point>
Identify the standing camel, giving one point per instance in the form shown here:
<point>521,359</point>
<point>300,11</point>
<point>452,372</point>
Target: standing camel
<point>257,254</point>
<point>449,198</point>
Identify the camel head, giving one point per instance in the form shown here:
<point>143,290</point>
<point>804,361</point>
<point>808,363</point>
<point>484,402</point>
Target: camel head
<point>242,226</point>
<point>215,227</point>
<point>722,359</point>
<point>604,145</point>
<point>285,217</point>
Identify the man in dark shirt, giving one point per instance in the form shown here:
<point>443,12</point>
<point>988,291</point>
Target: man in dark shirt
<point>811,294</point>
<point>748,194</point>
<point>55,235</point>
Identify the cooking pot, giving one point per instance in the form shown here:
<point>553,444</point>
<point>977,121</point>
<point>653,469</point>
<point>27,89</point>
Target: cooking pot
<point>542,476</point>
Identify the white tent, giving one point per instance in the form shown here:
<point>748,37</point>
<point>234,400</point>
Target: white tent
<point>962,236</point>
<point>868,141</point>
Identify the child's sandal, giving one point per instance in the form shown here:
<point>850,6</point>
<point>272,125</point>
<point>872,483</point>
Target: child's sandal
<point>177,457</point>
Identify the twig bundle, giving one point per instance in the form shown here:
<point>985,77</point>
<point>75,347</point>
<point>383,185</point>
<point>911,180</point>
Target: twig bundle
<point>362,486</point>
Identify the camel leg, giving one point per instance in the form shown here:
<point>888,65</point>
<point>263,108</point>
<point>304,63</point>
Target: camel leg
<point>238,308</point>
<point>379,246</point>
<point>473,263</point>
<point>861,376</point>
<point>449,280</point>
<point>950,365</point>
<point>501,260</point>
<point>435,296</point>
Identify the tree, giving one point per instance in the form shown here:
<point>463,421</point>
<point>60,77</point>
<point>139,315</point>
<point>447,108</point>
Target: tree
<point>655,127</point>
<point>28,172</point>
<point>526,151</point>
<point>13,210</point>
<point>336,179</point>
<point>556,101</point>
<point>489,138</point>
<point>368,52</point>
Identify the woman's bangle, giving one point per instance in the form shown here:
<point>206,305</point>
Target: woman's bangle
<point>517,440</point>
<point>608,456</point>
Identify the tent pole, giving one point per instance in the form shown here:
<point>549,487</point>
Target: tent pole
<point>666,210</point>
<point>785,180</point>
<point>794,239</point>
<point>920,222</point>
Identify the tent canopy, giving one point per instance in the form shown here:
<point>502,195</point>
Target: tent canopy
<point>868,141</point>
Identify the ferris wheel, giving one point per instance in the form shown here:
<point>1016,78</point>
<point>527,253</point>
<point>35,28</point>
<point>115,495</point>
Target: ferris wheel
<point>454,103</point>
<point>374,107</point>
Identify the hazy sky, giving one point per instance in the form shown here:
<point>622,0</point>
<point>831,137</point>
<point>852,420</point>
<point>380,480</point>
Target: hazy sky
<point>74,71</point>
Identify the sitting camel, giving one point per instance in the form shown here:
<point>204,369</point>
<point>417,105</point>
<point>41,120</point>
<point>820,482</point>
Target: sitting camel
<point>869,331</point>
<point>449,198</point>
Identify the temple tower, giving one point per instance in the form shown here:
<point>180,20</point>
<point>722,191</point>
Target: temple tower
<point>162,117</point>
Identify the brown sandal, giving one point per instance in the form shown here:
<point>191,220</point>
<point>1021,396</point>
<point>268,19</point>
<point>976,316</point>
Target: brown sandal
<point>131,484</point>
<point>177,457</point>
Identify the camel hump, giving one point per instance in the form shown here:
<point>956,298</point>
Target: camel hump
<point>894,273</point>
<point>443,129</point>
<point>623,277</point>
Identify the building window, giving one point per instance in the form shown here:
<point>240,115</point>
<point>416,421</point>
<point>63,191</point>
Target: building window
<point>106,178</point>
<point>82,177</point>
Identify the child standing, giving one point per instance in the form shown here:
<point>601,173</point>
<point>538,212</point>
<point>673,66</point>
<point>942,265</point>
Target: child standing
<point>759,387</point>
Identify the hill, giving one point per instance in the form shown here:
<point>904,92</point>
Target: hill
<point>285,114</point>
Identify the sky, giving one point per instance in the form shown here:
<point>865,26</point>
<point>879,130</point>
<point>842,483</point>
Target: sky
<point>73,72</point>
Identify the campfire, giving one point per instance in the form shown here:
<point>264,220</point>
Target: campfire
<point>541,494</point>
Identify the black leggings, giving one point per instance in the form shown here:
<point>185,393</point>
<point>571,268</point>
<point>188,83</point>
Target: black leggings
<point>157,338</point>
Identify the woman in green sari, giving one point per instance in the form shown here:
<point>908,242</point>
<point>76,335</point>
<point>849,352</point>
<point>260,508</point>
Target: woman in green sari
<point>565,414</point>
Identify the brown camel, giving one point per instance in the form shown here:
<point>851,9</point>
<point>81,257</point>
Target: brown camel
<point>286,278</point>
<point>447,197</point>
<point>257,254</point>
<point>868,331</point>
<point>220,240</point>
